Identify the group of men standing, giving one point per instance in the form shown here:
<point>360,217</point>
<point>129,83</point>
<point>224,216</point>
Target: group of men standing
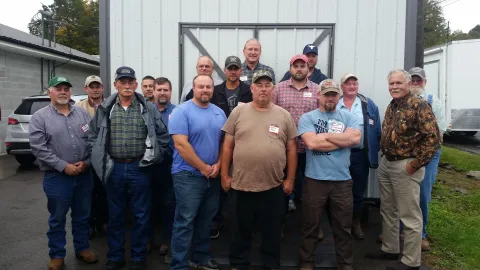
<point>306,140</point>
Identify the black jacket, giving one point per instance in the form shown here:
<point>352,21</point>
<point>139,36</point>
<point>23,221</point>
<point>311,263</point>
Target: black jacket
<point>219,98</point>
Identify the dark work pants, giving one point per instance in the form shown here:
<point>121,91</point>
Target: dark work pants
<point>99,211</point>
<point>266,209</point>
<point>316,193</point>
<point>359,171</point>
<point>163,201</point>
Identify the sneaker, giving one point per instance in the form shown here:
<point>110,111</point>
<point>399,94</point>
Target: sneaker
<point>215,230</point>
<point>425,245</point>
<point>291,206</point>
<point>138,266</point>
<point>210,265</point>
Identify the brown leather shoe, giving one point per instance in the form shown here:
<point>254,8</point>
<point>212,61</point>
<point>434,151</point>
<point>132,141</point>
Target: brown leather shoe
<point>55,264</point>
<point>87,256</point>
<point>321,236</point>
<point>425,245</point>
<point>357,231</point>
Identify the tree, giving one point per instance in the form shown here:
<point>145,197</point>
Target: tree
<point>76,24</point>
<point>435,25</point>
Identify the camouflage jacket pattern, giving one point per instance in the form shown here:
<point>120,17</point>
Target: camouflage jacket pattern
<point>410,130</point>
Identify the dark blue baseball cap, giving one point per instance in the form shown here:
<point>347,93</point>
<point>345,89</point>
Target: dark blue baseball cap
<point>310,48</point>
<point>125,72</point>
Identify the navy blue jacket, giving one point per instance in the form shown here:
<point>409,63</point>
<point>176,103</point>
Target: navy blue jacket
<point>372,130</point>
<point>317,76</point>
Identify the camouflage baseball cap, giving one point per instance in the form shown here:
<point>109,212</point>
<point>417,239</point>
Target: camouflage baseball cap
<point>261,74</point>
<point>58,80</point>
<point>328,85</point>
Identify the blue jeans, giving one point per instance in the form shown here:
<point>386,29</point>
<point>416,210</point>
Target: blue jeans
<point>359,171</point>
<point>197,203</point>
<point>426,185</point>
<point>163,202</point>
<point>128,185</point>
<point>65,192</point>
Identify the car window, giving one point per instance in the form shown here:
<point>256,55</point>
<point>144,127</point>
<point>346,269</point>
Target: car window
<point>30,106</point>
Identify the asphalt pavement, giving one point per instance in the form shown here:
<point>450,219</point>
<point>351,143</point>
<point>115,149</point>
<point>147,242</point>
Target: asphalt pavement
<point>24,223</point>
<point>469,144</point>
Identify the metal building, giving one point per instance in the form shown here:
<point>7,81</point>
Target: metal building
<point>165,37</point>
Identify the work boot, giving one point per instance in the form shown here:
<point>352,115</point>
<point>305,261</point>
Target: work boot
<point>425,245</point>
<point>321,236</point>
<point>55,264</point>
<point>357,231</point>
<point>382,255</point>
<point>87,256</point>
<point>163,249</point>
<point>398,265</point>
<point>138,265</point>
<point>345,267</point>
<point>113,265</point>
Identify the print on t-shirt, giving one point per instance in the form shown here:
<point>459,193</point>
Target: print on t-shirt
<point>231,98</point>
<point>330,126</point>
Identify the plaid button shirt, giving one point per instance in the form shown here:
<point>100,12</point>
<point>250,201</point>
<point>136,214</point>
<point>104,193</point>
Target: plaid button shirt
<point>246,71</point>
<point>297,102</point>
<point>128,131</point>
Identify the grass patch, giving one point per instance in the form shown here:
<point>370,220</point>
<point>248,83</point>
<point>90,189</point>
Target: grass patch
<point>461,160</point>
<point>455,216</point>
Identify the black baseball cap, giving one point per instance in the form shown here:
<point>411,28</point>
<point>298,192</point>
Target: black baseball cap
<point>233,61</point>
<point>125,72</point>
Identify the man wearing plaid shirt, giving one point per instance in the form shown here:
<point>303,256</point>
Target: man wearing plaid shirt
<point>298,95</point>
<point>252,52</point>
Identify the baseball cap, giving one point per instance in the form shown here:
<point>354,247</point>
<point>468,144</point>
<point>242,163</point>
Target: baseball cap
<point>310,48</point>
<point>417,71</point>
<point>347,76</point>
<point>233,61</point>
<point>58,80</point>
<point>328,85</point>
<point>261,74</point>
<point>125,72</point>
<point>91,79</point>
<point>299,57</point>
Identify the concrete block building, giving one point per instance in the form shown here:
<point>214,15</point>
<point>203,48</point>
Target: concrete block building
<point>27,64</point>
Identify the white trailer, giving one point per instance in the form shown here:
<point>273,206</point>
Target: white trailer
<point>165,38</point>
<point>451,75</point>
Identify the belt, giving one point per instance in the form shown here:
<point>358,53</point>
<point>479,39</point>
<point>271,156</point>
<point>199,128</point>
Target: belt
<point>127,160</point>
<point>395,158</point>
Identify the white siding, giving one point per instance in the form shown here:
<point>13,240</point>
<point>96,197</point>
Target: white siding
<point>369,35</point>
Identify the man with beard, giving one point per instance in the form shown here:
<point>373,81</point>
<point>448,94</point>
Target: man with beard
<point>252,52</point>
<point>58,137</point>
<point>419,80</point>
<point>410,139</point>
<point>163,200</point>
<point>227,96</point>
<point>204,67</point>
<point>258,177</point>
<point>298,95</point>
<point>195,127</point>
<point>148,87</point>
<point>99,213</point>
<point>314,74</point>
<point>361,159</point>
<point>127,137</point>
<point>328,135</point>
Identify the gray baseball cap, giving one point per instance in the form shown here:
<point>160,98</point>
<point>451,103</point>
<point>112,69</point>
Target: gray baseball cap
<point>233,61</point>
<point>417,71</point>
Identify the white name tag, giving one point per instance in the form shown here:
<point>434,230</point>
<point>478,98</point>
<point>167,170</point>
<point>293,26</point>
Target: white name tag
<point>307,94</point>
<point>370,121</point>
<point>273,129</point>
<point>85,128</point>
<point>243,78</point>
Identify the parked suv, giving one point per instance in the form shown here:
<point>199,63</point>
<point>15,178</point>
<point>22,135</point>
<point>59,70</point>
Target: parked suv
<point>17,142</point>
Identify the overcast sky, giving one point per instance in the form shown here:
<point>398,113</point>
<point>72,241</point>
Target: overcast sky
<point>462,14</point>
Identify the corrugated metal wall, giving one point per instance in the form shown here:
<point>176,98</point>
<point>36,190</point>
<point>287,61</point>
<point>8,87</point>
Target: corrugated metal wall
<point>369,37</point>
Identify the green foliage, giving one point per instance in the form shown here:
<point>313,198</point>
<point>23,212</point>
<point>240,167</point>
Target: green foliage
<point>461,160</point>
<point>76,24</point>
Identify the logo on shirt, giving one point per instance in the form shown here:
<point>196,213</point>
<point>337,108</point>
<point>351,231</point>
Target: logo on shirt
<point>335,126</point>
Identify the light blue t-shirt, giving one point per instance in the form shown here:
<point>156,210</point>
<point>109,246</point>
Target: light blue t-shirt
<point>203,126</point>
<point>332,166</point>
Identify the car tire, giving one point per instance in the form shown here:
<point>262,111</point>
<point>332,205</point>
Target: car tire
<point>26,160</point>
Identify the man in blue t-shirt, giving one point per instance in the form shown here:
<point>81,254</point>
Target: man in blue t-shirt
<point>328,135</point>
<point>196,129</point>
